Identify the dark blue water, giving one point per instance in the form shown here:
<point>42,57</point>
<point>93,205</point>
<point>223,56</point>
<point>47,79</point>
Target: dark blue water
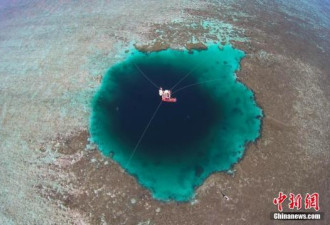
<point>203,132</point>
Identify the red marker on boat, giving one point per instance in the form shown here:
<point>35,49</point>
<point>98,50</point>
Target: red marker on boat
<point>166,95</point>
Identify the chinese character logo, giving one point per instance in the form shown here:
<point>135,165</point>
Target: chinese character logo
<point>278,201</point>
<point>295,201</point>
<point>311,201</point>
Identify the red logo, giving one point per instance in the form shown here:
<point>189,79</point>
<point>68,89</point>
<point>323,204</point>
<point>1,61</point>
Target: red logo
<point>278,201</point>
<point>311,201</point>
<point>295,201</point>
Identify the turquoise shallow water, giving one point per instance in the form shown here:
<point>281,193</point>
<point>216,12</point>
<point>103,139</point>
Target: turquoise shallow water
<point>205,131</point>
